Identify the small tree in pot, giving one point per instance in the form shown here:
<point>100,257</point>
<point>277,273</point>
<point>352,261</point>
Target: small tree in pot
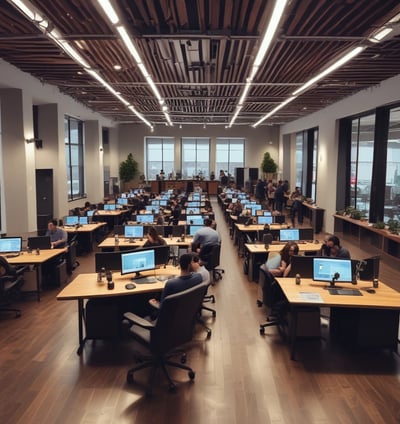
<point>128,169</point>
<point>268,166</point>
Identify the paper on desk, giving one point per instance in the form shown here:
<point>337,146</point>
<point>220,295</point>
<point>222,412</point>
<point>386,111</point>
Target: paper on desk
<point>311,297</point>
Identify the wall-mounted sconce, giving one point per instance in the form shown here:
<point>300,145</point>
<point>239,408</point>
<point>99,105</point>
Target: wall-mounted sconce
<point>38,142</point>
<point>101,149</point>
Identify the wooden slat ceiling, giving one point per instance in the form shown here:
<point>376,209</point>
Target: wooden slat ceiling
<point>200,52</point>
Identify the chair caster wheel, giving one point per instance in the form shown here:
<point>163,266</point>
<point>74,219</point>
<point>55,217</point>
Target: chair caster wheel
<point>214,314</point>
<point>172,387</point>
<point>129,378</point>
<point>191,375</point>
<point>183,358</point>
<point>209,332</point>
<point>262,331</point>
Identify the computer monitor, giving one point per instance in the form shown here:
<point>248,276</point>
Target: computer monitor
<point>289,234</point>
<point>332,270</point>
<point>122,201</point>
<point>89,213</point>
<point>279,219</point>
<point>262,220</point>
<point>194,228</point>
<point>234,200</point>
<point>153,208</point>
<point>71,220</point>
<point>10,244</point>
<point>254,209</point>
<point>83,220</point>
<point>109,207</point>
<point>145,218</point>
<point>155,202</point>
<point>123,195</point>
<point>306,234</point>
<point>194,220</point>
<point>133,231</point>
<point>163,203</point>
<point>137,261</point>
<point>193,210</point>
<point>267,213</point>
<point>41,242</point>
<point>302,265</point>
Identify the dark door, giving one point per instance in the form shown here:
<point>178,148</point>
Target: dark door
<point>44,198</point>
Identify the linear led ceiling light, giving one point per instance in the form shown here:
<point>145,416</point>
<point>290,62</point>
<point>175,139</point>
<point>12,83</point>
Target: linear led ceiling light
<point>34,15</point>
<point>265,44</point>
<point>113,17</point>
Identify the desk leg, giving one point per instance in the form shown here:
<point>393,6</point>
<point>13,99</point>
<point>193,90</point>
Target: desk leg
<point>82,339</point>
<point>293,335</point>
<point>38,280</point>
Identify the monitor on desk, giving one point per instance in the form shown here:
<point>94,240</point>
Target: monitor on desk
<point>194,220</point>
<point>195,204</point>
<point>122,201</point>
<point>306,234</point>
<point>194,228</point>
<point>289,234</point>
<point>145,218</point>
<point>279,219</point>
<point>83,220</point>
<point>133,231</point>
<point>262,220</point>
<point>137,261</point>
<point>332,270</point>
<point>41,242</point>
<point>153,208</point>
<point>155,202</point>
<point>193,210</point>
<point>163,203</point>
<point>109,207</point>
<point>254,208</point>
<point>71,220</point>
<point>11,245</point>
<point>89,213</point>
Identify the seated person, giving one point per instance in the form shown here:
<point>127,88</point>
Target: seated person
<point>58,236</point>
<point>153,238</point>
<point>197,266</point>
<point>282,269</point>
<point>333,248</point>
<point>205,236</point>
<point>186,280</point>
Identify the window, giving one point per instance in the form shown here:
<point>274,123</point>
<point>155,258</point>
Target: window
<point>195,157</point>
<point>362,152</point>
<point>74,157</point>
<point>299,159</point>
<point>229,154</point>
<point>392,189</point>
<point>160,154</point>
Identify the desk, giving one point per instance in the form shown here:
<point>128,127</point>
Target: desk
<point>85,286</point>
<point>36,260</point>
<point>112,217</point>
<point>110,242</point>
<point>315,215</point>
<point>84,233</point>
<point>370,320</point>
<point>257,254</point>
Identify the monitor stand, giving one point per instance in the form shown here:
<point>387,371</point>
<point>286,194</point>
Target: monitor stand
<point>143,279</point>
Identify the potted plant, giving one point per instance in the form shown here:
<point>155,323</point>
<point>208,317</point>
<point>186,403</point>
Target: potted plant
<point>268,166</point>
<point>128,169</point>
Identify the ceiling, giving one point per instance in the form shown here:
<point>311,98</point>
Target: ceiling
<point>200,52</point>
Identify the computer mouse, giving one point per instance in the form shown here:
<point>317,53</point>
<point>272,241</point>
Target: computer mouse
<point>130,286</point>
<point>370,291</point>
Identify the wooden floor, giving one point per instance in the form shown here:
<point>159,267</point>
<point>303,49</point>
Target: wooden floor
<point>241,377</point>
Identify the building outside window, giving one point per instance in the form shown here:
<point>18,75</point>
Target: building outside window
<point>195,157</point>
<point>160,155</point>
<point>229,154</point>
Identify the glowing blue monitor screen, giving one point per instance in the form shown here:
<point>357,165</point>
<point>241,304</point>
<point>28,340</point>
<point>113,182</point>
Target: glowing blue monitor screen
<point>194,228</point>
<point>71,220</point>
<point>192,210</point>
<point>324,269</point>
<point>109,207</point>
<point>133,231</point>
<point>289,234</point>
<point>145,218</point>
<point>153,208</point>
<point>10,244</point>
<point>89,213</point>
<point>194,220</point>
<point>83,220</point>
<point>262,220</point>
<point>142,260</point>
<point>122,201</point>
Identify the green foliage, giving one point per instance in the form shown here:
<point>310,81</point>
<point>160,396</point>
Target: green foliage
<point>379,225</point>
<point>394,226</point>
<point>128,169</point>
<point>268,165</point>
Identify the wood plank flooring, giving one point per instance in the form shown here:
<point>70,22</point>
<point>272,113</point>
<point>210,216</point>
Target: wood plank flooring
<point>241,377</point>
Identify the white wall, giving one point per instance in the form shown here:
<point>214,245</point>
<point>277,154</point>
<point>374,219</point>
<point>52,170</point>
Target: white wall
<point>327,122</point>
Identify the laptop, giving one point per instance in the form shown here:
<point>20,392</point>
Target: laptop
<point>10,246</point>
<point>42,242</point>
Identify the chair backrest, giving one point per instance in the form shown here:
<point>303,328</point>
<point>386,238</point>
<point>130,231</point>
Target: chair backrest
<point>265,282</point>
<point>210,255</point>
<point>119,230</point>
<point>176,319</point>
<point>5,267</point>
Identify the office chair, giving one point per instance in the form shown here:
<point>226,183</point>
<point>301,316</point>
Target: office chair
<point>210,258</point>
<point>11,280</point>
<point>72,262</point>
<point>174,327</point>
<point>273,299</point>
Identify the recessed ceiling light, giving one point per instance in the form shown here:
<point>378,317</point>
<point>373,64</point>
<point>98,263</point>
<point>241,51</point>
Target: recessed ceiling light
<point>117,67</point>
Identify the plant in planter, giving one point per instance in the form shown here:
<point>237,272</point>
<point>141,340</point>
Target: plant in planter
<point>128,169</point>
<point>394,226</point>
<point>268,165</point>
<point>379,225</point>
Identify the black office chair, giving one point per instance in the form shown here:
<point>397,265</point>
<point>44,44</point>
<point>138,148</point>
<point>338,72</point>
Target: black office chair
<point>72,262</point>
<point>11,280</point>
<point>174,327</point>
<point>210,258</point>
<point>273,299</point>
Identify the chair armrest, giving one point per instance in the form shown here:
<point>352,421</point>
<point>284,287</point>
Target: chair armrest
<point>135,319</point>
<point>21,269</point>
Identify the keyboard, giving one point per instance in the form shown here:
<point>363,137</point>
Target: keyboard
<point>12,255</point>
<point>345,292</point>
<point>145,280</point>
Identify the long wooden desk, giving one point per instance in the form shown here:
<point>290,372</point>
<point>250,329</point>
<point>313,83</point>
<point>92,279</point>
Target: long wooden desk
<point>257,254</point>
<point>37,260</point>
<point>110,242</point>
<point>85,286</point>
<point>370,320</point>
<point>112,217</point>
<point>84,234</point>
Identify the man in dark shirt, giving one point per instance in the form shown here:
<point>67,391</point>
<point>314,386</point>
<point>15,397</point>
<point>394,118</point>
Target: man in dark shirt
<point>334,249</point>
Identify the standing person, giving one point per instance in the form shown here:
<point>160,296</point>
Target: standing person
<point>285,193</point>
<point>223,178</point>
<point>297,206</point>
<point>58,236</point>
<point>205,236</point>
<point>279,197</point>
<point>271,195</point>
<point>260,191</point>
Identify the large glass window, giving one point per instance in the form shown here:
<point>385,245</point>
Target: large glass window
<point>314,167</point>
<point>229,154</point>
<point>362,151</point>
<point>160,154</point>
<point>74,157</point>
<point>392,189</point>
<point>299,159</point>
<point>195,157</point>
